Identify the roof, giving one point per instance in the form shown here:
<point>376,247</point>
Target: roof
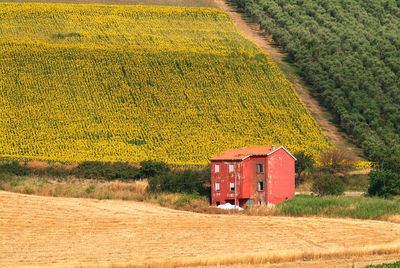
<point>245,152</point>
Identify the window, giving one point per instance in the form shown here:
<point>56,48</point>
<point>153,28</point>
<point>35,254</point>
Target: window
<point>260,168</point>
<point>231,168</point>
<point>260,186</point>
<point>217,203</point>
<point>232,186</point>
<point>217,186</point>
<point>216,168</point>
<point>250,202</point>
<point>259,202</point>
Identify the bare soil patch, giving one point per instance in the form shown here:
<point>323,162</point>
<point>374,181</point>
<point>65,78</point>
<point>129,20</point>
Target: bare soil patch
<point>48,231</point>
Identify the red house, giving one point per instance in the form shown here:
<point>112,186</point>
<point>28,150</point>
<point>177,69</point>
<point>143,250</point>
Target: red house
<point>254,175</point>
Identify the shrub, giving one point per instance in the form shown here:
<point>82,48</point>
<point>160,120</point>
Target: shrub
<point>384,183</point>
<point>56,172</point>
<point>15,168</point>
<point>385,265</point>
<point>6,176</point>
<point>357,207</point>
<point>28,190</point>
<point>15,182</point>
<point>124,171</point>
<point>90,189</point>
<point>106,170</point>
<point>182,181</point>
<point>328,185</point>
<point>186,199</point>
<point>152,168</point>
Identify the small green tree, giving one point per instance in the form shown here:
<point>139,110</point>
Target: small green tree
<point>328,185</point>
<point>384,183</point>
<point>303,162</point>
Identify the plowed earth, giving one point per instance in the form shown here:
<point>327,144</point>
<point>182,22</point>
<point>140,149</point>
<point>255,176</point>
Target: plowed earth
<point>42,231</point>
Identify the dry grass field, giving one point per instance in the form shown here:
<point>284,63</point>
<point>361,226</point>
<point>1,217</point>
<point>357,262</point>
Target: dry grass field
<point>48,231</point>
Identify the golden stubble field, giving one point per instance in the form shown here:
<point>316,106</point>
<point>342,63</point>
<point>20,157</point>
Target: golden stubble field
<point>48,231</point>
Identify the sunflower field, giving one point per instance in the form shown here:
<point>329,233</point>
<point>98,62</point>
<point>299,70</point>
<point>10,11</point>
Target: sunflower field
<point>132,83</point>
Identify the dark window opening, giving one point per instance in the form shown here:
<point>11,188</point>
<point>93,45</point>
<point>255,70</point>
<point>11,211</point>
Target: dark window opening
<point>217,203</point>
<point>260,186</point>
<point>232,186</point>
<point>260,168</point>
<point>232,202</point>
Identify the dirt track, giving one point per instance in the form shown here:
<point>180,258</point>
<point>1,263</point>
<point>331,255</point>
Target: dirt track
<point>37,230</point>
<point>253,32</point>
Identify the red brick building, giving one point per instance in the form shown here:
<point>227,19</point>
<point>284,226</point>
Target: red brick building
<point>254,175</point>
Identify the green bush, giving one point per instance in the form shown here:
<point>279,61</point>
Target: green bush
<point>385,265</point>
<point>152,168</point>
<point>6,176</point>
<point>182,181</point>
<point>90,189</point>
<point>28,190</point>
<point>106,170</point>
<point>357,207</point>
<point>55,172</point>
<point>384,183</point>
<point>328,185</point>
<point>186,199</point>
<point>15,168</point>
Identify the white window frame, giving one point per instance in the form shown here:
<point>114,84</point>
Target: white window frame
<point>216,168</point>
<point>231,168</point>
<point>217,186</point>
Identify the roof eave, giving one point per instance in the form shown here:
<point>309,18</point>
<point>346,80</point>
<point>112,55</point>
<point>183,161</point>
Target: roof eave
<point>283,149</point>
<point>227,159</point>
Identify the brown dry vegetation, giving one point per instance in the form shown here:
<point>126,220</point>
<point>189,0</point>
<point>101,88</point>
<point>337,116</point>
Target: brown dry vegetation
<point>37,230</point>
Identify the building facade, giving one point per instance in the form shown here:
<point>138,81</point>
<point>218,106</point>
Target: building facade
<point>252,176</point>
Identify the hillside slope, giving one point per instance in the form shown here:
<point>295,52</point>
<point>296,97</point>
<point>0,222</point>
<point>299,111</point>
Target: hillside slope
<point>252,30</point>
<point>129,83</point>
<point>349,51</point>
<point>41,231</point>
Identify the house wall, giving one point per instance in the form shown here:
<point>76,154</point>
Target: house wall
<point>281,176</point>
<point>278,178</point>
<point>251,178</point>
<point>224,177</point>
